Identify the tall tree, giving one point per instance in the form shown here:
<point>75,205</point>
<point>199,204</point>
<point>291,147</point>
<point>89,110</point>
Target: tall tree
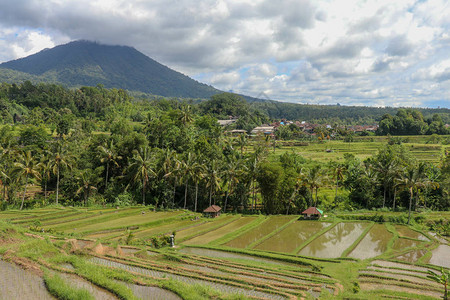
<point>108,156</point>
<point>142,167</point>
<point>213,178</point>
<point>60,159</point>
<point>24,169</point>
<point>87,180</point>
<point>411,180</point>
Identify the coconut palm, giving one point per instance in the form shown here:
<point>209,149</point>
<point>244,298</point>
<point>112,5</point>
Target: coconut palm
<point>142,168</point>
<point>412,179</point>
<point>170,169</point>
<point>108,156</point>
<point>24,169</point>
<point>87,180</point>
<point>232,170</point>
<point>45,168</point>
<point>338,171</point>
<point>60,159</point>
<point>186,171</point>
<point>313,179</point>
<point>198,173</point>
<point>213,178</point>
<point>385,167</point>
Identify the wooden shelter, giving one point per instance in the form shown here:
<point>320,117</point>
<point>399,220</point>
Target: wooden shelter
<point>312,212</point>
<point>212,211</point>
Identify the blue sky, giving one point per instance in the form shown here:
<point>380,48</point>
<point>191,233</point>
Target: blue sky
<point>353,52</point>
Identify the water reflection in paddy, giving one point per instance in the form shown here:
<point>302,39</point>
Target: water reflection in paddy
<point>259,232</point>
<point>333,243</point>
<point>402,243</point>
<point>404,231</point>
<point>373,244</point>
<point>412,256</point>
<point>292,236</point>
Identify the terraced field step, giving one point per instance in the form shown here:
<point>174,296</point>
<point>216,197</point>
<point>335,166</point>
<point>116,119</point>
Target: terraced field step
<point>230,289</point>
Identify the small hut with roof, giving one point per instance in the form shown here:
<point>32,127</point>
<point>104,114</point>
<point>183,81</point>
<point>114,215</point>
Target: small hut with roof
<point>212,211</point>
<point>312,213</point>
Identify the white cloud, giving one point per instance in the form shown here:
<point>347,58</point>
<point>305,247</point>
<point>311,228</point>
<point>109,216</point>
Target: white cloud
<point>362,52</point>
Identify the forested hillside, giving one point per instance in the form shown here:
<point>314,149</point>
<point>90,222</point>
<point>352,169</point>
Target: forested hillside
<point>97,145</point>
<point>83,63</point>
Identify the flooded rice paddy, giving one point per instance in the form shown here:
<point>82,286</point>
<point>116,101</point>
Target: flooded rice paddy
<point>412,256</point>
<point>292,237</point>
<point>334,242</point>
<point>402,243</point>
<point>16,283</point>
<point>97,292</point>
<point>215,234</point>
<point>404,231</point>
<point>231,255</point>
<point>441,256</point>
<point>373,244</point>
<point>268,226</point>
<point>189,280</point>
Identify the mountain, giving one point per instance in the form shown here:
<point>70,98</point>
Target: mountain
<point>84,63</point>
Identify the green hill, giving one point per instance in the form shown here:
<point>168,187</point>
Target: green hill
<point>84,63</point>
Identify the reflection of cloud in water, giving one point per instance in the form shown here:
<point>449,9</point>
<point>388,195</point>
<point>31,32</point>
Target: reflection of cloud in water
<point>335,241</point>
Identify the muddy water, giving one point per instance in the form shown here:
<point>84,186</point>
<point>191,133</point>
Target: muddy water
<point>292,236</point>
<point>332,243</point>
<point>218,286</point>
<point>441,256</point>
<point>16,283</point>
<point>259,232</point>
<point>402,243</point>
<point>373,244</point>
<point>404,231</point>
<point>412,256</point>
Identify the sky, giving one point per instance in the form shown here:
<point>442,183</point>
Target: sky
<point>351,52</point>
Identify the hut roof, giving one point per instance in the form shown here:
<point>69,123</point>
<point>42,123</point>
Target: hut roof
<point>212,209</point>
<point>313,211</point>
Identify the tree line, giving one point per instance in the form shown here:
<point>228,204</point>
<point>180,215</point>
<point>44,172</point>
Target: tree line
<point>94,145</point>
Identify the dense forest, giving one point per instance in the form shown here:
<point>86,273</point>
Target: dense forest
<point>96,145</point>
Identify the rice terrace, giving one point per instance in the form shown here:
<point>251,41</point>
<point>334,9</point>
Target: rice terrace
<point>109,253</point>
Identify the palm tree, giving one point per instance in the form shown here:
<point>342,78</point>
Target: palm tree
<point>213,178</point>
<point>232,170</point>
<point>186,171</point>
<point>313,178</point>
<point>411,180</point>
<point>186,114</point>
<point>386,169</point>
<point>142,168</point>
<point>171,169</point>
<point>109,156</point>
<point>60,159</point>
<point>87,180</point>
<point>25,168</point>
<point>338,175</point>
<point>45,168</point>
<point>198,173</point>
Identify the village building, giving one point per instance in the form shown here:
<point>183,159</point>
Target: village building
<point>212,211</point>
<point>312,213</point>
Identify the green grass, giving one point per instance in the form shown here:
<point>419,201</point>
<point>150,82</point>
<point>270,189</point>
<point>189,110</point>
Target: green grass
<point>64,291</point>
